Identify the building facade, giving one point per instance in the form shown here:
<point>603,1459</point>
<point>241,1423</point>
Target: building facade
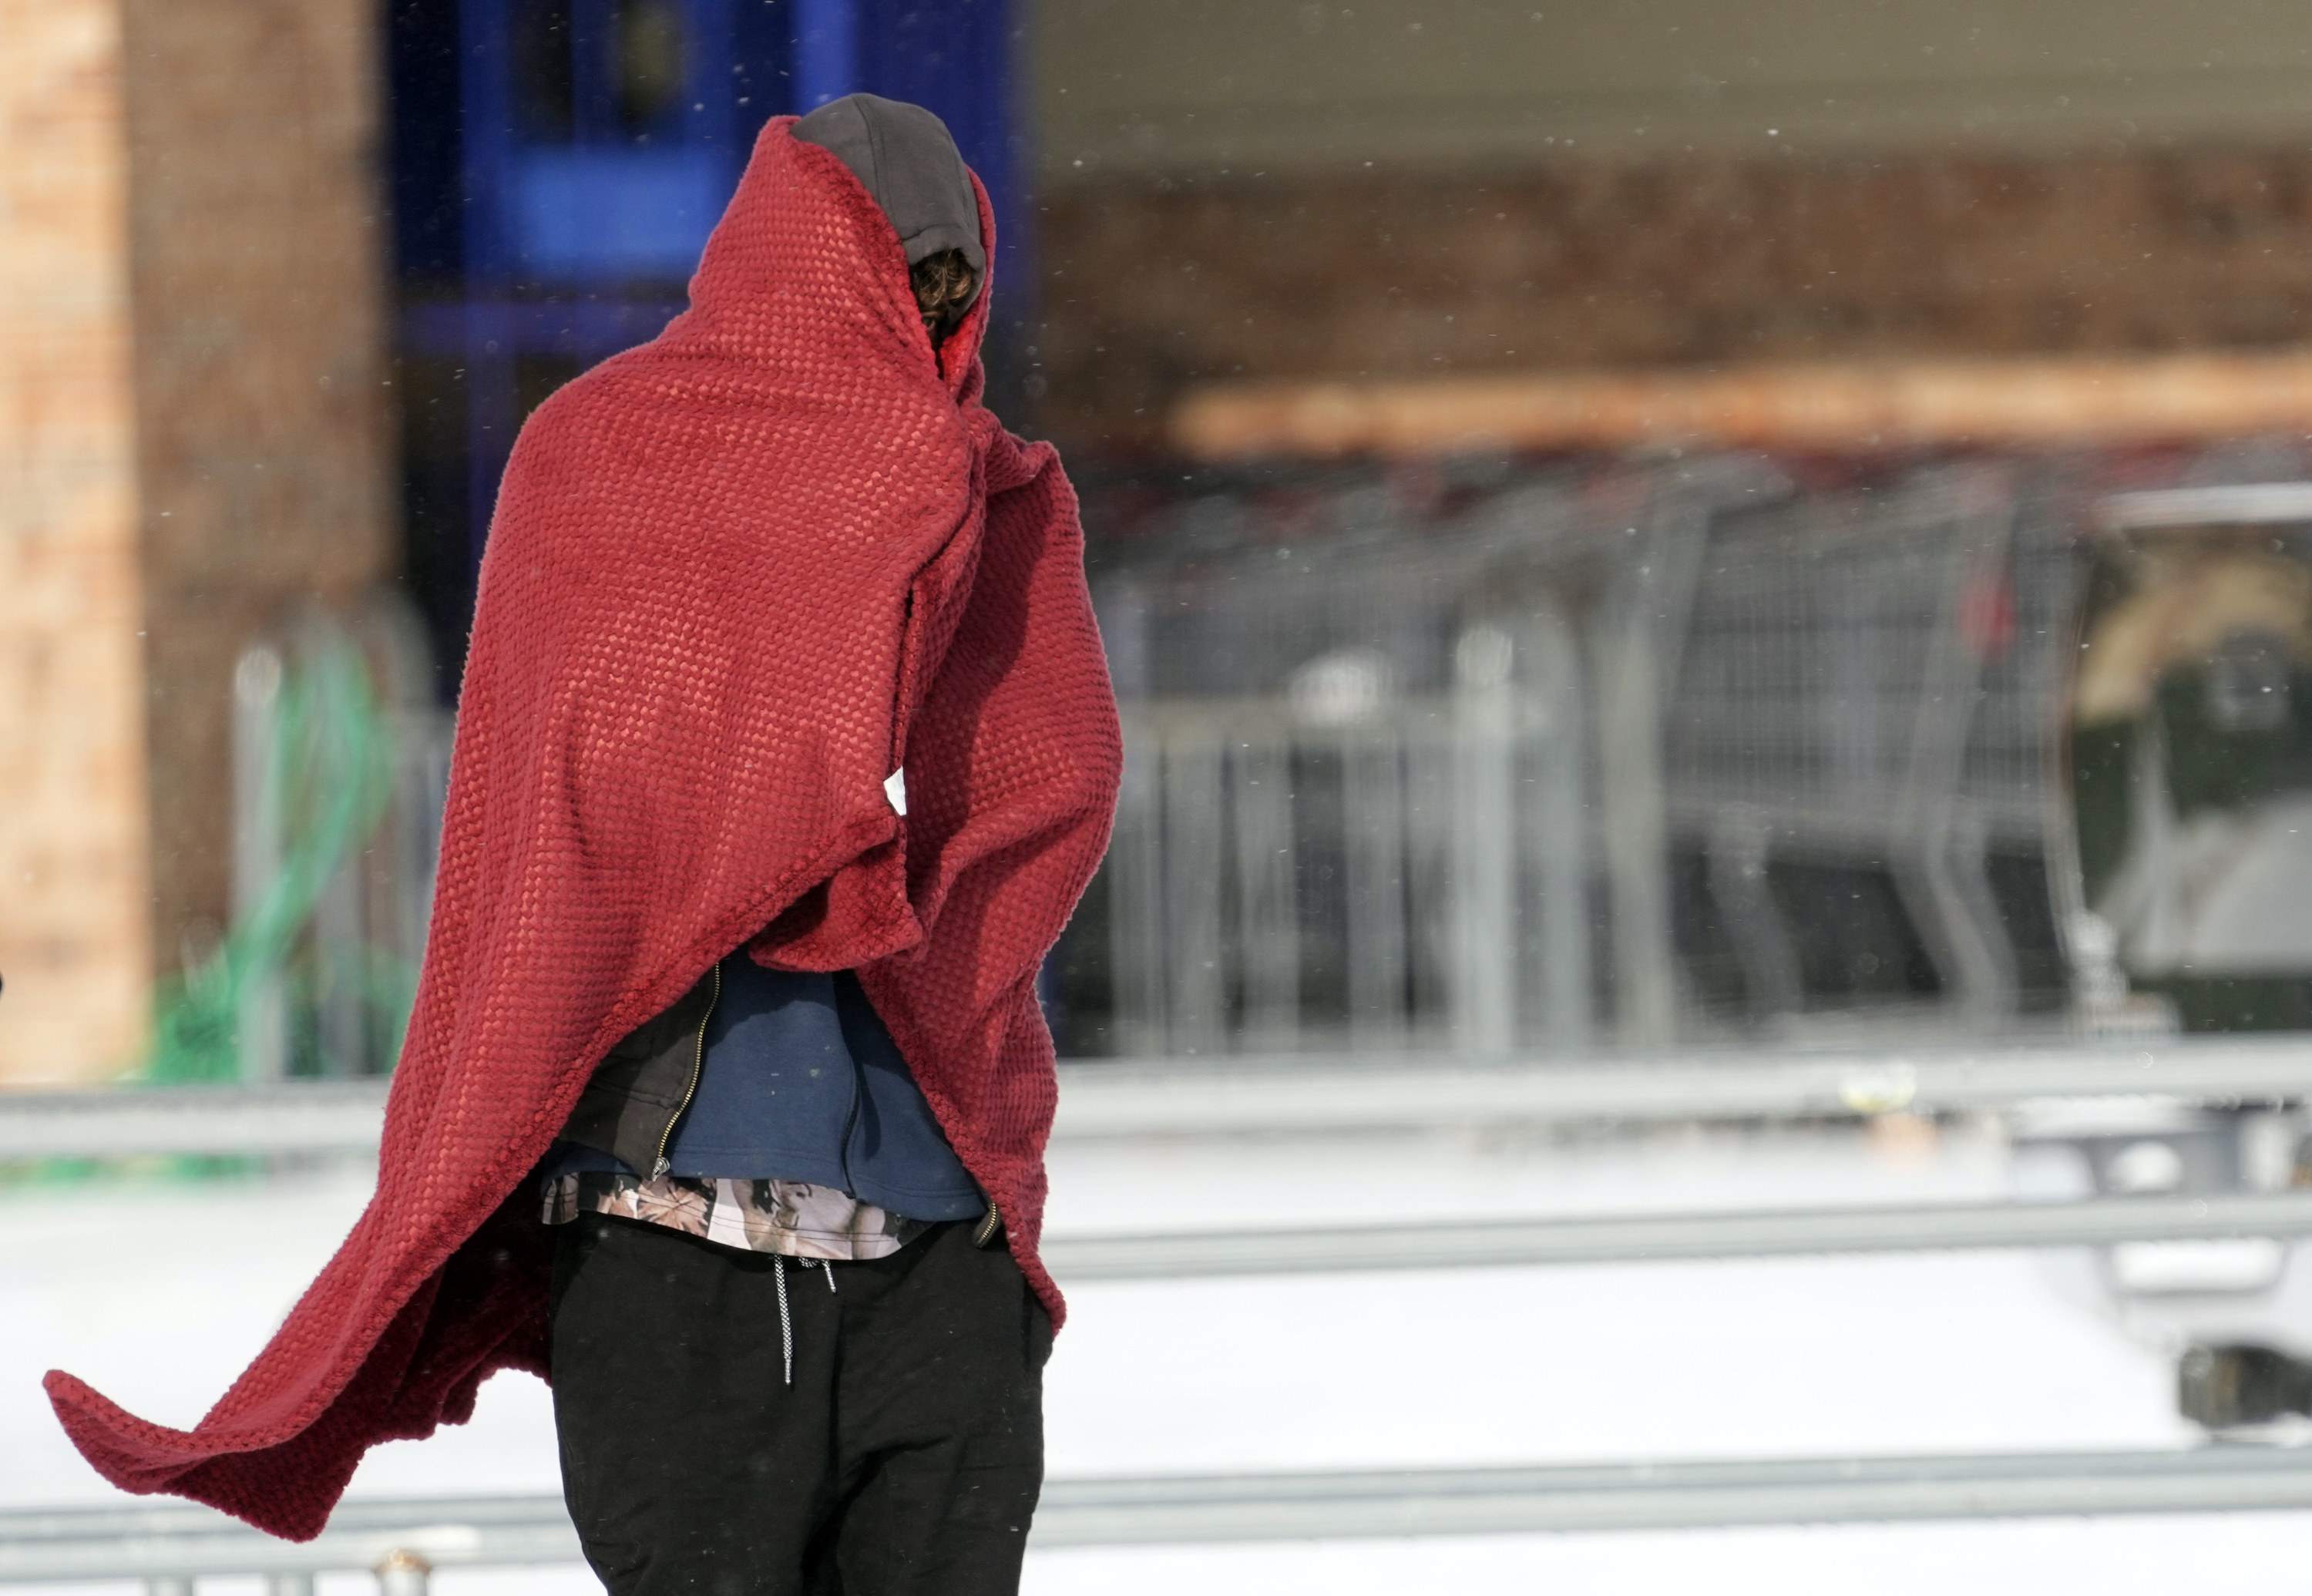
<point>192,442</point>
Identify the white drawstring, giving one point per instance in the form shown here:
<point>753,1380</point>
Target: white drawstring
<point>786,1320</point>
<point>787,1316</point>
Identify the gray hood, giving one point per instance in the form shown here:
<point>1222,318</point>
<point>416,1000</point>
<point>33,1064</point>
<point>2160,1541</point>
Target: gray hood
<point>906,159</point>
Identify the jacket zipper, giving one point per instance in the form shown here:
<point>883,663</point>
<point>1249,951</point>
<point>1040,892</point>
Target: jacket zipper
<point>851,1120</point>
<point>698,1069</point>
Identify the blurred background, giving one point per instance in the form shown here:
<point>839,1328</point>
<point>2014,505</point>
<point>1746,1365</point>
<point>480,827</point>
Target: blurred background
<point>1627,535</point>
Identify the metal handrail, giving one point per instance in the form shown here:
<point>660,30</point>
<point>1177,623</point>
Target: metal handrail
<point>1315,1093</point>
<point>1656,1238</point>
<point>1309,1093</point>
<point>1581,1499</point>
<point>303,1117</point>
<point>171,1546</point>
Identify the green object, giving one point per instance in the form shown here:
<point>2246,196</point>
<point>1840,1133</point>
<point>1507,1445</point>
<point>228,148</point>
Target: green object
<point>329,775</point>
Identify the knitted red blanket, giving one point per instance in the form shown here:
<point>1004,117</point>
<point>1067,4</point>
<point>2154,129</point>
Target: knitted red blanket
<point>736,579</point>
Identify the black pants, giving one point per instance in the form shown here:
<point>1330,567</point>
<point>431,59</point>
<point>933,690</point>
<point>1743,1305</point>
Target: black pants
<point>905,1460</point>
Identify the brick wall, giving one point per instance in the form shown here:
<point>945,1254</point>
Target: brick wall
<point>1154,283</point>
<point>191,445</point>
<point>73,938</point>
<point>258,262</point>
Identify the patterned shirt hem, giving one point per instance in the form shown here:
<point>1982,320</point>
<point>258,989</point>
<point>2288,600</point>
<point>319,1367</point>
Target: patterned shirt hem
<point>792,1217</point>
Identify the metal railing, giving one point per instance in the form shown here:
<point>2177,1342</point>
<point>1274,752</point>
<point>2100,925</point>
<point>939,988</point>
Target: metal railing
<point>1659,1238</point>
<point>1311,1093</point>
<point>1345,1092</point>
<point>344,1116</point>
<point>295,1117</point>
<point>172,1547</point>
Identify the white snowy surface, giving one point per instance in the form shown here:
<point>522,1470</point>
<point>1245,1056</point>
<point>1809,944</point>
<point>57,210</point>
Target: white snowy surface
<point>159,1292</point>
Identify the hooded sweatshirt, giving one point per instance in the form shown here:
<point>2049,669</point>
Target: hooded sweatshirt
<point>906,159</point>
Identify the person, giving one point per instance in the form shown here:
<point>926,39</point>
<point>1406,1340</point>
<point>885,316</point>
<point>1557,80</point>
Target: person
<point>784,749</point>
<point>768,1113</point>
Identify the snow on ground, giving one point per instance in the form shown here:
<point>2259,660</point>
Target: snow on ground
<point>159,1292</point>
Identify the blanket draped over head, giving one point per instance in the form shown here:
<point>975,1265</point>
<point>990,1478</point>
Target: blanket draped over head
<point>737,578</point>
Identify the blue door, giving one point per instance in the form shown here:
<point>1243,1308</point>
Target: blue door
<point>557,165</point>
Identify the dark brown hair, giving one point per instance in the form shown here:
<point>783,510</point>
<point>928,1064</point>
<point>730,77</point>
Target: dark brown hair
<point>944,284</point>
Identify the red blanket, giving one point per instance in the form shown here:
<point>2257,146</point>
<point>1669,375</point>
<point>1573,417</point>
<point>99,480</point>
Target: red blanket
<point>736,577</point>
